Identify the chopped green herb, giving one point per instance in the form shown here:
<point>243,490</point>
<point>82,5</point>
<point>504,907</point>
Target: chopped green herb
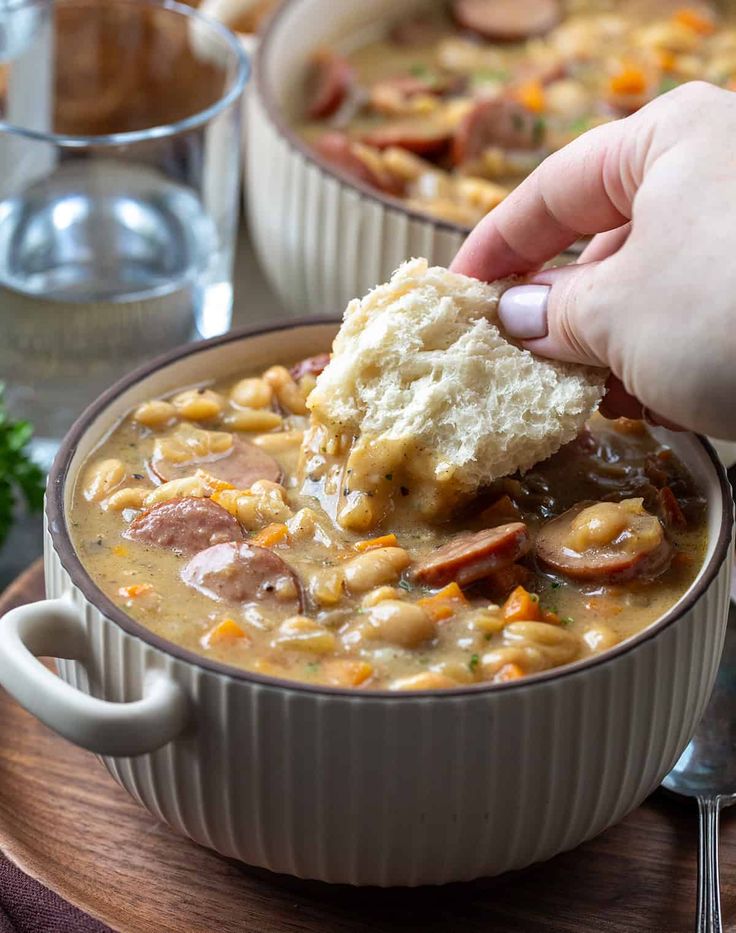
<point>534,598</point>
<point>405,585</point>
<point>567,620</point>
<point>538,131</point>
<point>474,662</point>
<point>18,473</point>
<point>667,84</point>
<point>490,75</point>
<point>420,70</point>
<point>555,584</point>
<point>580,125</point>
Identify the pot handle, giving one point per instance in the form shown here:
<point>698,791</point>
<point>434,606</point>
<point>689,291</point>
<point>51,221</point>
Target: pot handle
<point>54,628</point>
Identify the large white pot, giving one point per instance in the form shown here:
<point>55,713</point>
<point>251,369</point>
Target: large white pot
<point>343,786</point>
<point>321,237</point>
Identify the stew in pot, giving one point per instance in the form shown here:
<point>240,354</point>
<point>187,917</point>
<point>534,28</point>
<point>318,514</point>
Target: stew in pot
<point>193,517</point>
<point>449,110</point>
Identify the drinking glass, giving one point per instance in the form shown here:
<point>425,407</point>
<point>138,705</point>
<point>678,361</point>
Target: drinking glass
<point>119,181</point>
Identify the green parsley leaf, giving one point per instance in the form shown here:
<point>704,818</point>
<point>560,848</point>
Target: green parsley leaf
<point>539,130</point>
<point>555,584</point>
<point>580,125</point>
<point>474,662</point>
<point>667,84</point>
<point>18,473</point>
<point>405,585</point>
<point>490,76</point>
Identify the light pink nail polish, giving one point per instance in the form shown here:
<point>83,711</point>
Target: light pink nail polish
<point>523,311</point>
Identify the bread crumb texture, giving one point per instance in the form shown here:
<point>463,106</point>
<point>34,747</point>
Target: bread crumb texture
<point>421,365</point>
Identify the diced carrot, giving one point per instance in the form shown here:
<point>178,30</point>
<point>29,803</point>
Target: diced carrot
<point>673,514</point>
<point>226,631</point>
<point>666,59</point>
<point>384,541</point>
<point>219,485</point>
<point>500,583</point>
<point>270,535</point>
<point>344,672</point>
<point>695,20</point>
<point>507,673</point>
<point>522,606</point>
<point>500,512</point>
<point>120,550</point>
<point>135,590</point>
<point>444,603</point>
<point>531,95</point>
<point>603,605</point>
<point>629,80</point>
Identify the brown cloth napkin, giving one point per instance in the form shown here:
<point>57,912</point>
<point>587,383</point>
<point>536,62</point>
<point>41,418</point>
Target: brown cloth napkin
<point>27,907</point>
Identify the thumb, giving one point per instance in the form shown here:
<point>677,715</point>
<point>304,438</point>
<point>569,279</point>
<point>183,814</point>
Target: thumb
<point>558,315</point>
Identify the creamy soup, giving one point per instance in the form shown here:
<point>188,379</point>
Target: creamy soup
<point>450,110</point>
<point>193,517</point>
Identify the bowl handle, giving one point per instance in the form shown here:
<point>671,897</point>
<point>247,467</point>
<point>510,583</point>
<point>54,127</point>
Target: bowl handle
<point>54,628</point>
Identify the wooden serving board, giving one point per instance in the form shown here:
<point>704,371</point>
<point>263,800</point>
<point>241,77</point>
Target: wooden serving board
<point>66,823</point>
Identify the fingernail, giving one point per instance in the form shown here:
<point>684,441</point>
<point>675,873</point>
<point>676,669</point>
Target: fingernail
<point>523,311</point>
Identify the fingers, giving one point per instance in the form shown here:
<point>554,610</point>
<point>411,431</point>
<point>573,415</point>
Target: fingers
<point>618,403</point>
<point>605,244</point>
<point>555,315</point>
<point>585,188</point>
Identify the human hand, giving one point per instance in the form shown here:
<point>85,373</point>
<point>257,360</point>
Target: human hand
<point>653,296</point>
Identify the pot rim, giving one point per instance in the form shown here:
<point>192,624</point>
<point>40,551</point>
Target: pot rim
<point>81,579</point>
<point>277,119</point>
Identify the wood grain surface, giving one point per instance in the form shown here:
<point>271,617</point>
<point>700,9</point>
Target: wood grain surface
<point>65,822</point>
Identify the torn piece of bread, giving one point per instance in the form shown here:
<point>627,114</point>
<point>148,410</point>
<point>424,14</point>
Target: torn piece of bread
<point>425,400</point>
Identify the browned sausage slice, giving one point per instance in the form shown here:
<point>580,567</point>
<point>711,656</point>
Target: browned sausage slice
<point>242,465</point>
<point>473,555</point>
<point>185,525</point>
<point>416,31</point>
<point>423,137</point>
<point>239,572</point>
<point>507,20</point>
<point>339,151</point>
<point>329,80</point>
<point>312,365</point>
<point>638,547</point>
<point>495,122</point>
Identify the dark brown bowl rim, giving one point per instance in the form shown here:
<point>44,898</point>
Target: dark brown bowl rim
<point>276,117</point>
<point>83,581</point>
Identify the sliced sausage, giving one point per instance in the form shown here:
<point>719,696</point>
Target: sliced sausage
<point>239,572</point>
<point>473,555</point>
<point>185,525</point>
<point>312,365</point>
<point>339,151</point>
<point>494,122</point>
<point>640,549</point>
<point>425,137</point>
<point>242,465</point>
<point>507,20</point>
<point>328,83</point>
<point>415,31</point>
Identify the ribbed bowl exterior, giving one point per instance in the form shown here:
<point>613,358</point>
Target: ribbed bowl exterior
<point>409,790</point>
<point>321,241</point>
